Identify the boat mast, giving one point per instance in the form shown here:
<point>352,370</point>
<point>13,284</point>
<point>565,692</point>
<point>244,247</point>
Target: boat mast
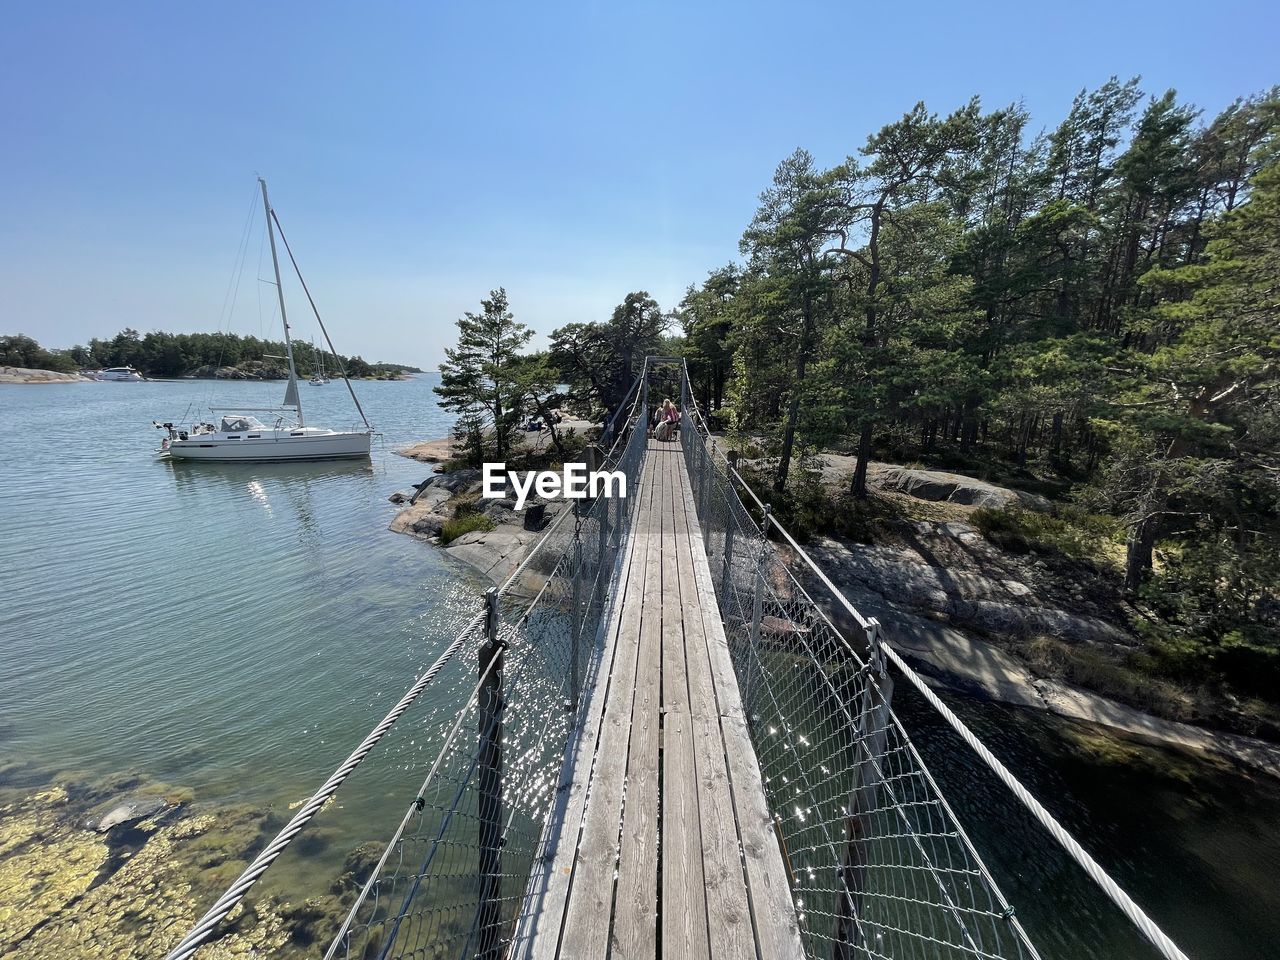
<point>292,391</point>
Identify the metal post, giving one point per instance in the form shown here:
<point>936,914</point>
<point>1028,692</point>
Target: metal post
<point>644,399</point>
<point>758,603</point>
<point>489,770</point>
<point>728,554</point>
<point>575,620</point>
<point>291,396</point>
<point>873,733</point>
<point>619,508</point>
<point>708,471</point>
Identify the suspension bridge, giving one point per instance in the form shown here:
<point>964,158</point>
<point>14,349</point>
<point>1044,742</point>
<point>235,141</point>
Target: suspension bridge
<point>671,750</point>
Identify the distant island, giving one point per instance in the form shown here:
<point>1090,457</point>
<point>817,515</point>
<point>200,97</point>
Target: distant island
<point>222,356</point>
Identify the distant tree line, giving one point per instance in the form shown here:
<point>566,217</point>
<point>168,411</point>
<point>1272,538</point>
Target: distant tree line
<point>18,350</point>
<point>159,354</point>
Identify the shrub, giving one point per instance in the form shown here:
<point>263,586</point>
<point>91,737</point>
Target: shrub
<point>466,523</point>
<point>808,508</point>
<point>1068,531</point>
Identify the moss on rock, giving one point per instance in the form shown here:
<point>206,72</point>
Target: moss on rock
<point>67,892</point>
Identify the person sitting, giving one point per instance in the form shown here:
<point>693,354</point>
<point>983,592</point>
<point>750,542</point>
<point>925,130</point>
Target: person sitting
<point>670,419</point>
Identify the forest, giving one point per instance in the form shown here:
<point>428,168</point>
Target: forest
<point>166,355</point>
<point>1091,312</point>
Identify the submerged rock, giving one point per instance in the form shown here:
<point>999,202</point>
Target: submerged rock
<point>133,887</point>
<point>128,810</point>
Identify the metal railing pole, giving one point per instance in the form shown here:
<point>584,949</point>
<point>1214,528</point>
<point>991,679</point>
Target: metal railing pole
<point>703,495</point>
<point>575,619</point>
<point>490,708</point>
<point>644,401</point>
<point>602,575</point>
<point>757,603</point>
<point>726,574</point>
<point>874,720</point>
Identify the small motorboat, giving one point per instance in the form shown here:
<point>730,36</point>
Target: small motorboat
<point>119,375</point>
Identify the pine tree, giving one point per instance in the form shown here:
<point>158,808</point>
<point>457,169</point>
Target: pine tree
<point>477,379</point>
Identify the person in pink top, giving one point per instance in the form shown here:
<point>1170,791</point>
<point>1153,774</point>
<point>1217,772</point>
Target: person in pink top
<point>669,420</point>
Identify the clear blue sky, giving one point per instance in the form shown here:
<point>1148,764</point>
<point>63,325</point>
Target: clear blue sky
<point>422,153</point>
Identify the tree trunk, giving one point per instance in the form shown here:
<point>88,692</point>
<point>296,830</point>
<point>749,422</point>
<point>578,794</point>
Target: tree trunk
<point>498,433</point>
<point>1138,552</point>
<point>969,424</point>
<point>793,407</point>
<point>859,486</point>
<point>551,425</point>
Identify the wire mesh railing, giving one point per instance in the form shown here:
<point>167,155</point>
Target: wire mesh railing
<point>880,865</point>
<point>452,879</point>
<point>449,882</point>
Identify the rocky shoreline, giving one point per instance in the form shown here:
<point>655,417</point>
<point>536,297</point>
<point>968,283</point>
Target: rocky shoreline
<point>495,552</point>
<point>941,595</point>
<point>935,630</point>
<point>954,604</point>
<point>27,375</point>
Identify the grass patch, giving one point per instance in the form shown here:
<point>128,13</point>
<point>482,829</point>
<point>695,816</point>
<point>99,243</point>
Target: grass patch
<point>1073,533</point>
<point>808,509</point>
<point>1110,674</point>
<point>467,518</point>
<point>467,523</point>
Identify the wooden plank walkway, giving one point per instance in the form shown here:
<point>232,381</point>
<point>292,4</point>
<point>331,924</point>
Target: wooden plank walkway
<point>661,845</point>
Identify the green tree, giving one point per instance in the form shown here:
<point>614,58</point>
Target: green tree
<point>908,163</point>
<point>535,381</point>
<point>19,350</point>
<point>707,315</point>
<point>1208,392</point>
<point>478,376</point>
<point>798,217</point>
<point>601,360</point>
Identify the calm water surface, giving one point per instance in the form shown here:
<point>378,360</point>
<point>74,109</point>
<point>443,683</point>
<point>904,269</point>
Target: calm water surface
<point>235,629</point>
<point>238,629</point>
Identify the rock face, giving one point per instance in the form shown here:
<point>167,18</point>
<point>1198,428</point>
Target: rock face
<point>453,481</point>
<point>28,375</point>
<point>249,370</point>
<point>953,572</point>
<point>496,553</point>
<point>936,486</point>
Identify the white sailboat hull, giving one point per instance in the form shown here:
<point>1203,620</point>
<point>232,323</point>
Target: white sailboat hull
<point>274,445</point>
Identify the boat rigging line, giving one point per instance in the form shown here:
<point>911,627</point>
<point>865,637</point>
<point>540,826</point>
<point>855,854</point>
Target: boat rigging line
<point>332,349</point>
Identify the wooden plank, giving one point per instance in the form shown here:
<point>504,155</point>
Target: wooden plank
<point>728,907</point>
<point>684,904</point>
<point>537,932</point>
<point>590,903</point>
<point>776,929</point>
<point>636,902</point>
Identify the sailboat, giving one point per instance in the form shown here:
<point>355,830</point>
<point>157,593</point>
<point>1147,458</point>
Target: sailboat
<point>318,379</point>
<point>240,436</point>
